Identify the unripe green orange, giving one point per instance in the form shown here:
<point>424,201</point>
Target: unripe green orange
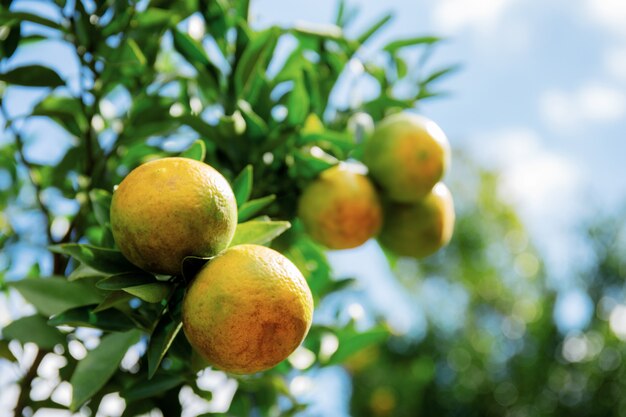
<point>170,208</point>
<point>422,228</point>
<point>407,155</point>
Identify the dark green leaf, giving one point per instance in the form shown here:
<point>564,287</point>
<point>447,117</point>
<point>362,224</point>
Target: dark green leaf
<point>258,232</point>
<point>109,320</point>
<point>256,127</point>
<point>163,335</point>
<point>251,66</point>
<point>151,293</point>
<point>101,259</point>
<point>374,28</point>
<point>393,47</point>
<point>196,151</point>
<point>9,45</point>
<point>66,111</point>
<point>32,76</point>
<point>94,371</point>
<point>242,185</point>
<point>252,207</point>
<point>5,352</point>
<point>113,299</point>
<point>101,202</point>
<point>53,295</point>
<point>126,280</point>
<point>7,16</point>
<point>195,54</point>
<point>34,329</point>
<point>149,388</point>
<point>309,166</point>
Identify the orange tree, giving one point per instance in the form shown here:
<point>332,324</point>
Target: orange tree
<point>143,85</point>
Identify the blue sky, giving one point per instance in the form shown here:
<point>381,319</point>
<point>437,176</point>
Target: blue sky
<point>541,97</point>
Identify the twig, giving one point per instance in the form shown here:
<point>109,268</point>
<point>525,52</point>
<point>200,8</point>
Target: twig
<point>25,383</point>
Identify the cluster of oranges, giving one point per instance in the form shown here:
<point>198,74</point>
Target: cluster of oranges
<point>250,307</point>
<point>400,198</point>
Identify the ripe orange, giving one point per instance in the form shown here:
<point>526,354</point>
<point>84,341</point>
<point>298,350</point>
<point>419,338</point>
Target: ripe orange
<point>247,309</point>
<point>419,229</point>
<point>170,208</point>
<point>341,208</point>
<point>407,155</point>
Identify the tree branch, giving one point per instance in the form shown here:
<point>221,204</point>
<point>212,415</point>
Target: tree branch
<point>25,383</point>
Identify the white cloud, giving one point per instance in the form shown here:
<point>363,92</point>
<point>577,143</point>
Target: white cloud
<point>609,14</point>
<point>454,15</point>
<point>590,103</point>
<point>615,62</point>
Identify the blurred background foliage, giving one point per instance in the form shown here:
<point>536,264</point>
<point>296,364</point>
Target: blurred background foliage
<point>156,78</point>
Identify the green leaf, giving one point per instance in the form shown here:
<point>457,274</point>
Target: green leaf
<point>151,293</point>
<point>189,48</point>
<point>298,104</point>
<point>196,151</point>
<point>113,299</point>
<point>256,126</point>
<point>84,271</point>
<point>101,203</point>
<point>109,320</point>
<point>374,28</point>
<point>309,166</point>
<point>242,186</point>
<point>252,207</point>
<point>95,370</point>
<point>34,329</point>
<point>440,74</point>
<point>6,17</point>
<point>258,232</point>
<point>32,76</point>
<point>126,280</point>
<point>65,111</point>
<point>251,67</point>
<point>351,341</point>
<point>9,45</point>
<point>101,259</point>
<point>393,47</point>
<point>154,17</point>
<point>5,352</point>
<point>165,332</point>
<point>149,388</point>
<point>53,295</point>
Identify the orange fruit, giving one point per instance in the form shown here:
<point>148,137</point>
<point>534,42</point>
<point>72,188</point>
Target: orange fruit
<point>407,155</point>
<point>247,309</point>
<point>422,228</point>
<point>170,208</point>
<point>340,209</point>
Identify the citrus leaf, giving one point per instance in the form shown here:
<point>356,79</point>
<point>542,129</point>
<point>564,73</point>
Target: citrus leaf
<point>189,48</point>
<point>5,352</point>
<point>34,329</point>
<point>165,331</point>
<point>242,186</point>
<point>65,111</point>
<point>440,73</point>
<point>94,371</point>
<point>298,104</point>
<point>393,47</point>
<point>84,271</point>
<point>196,151</point>
<point>126,280</point>
<point>151,293</point>
<point>148,388</point>
<point>7,16</point>
<point>251,67</point>
<point>258,232</point>
<point>53,295</point>
<point>101,202</point>
<point>374,28</point>
<point>309,166</point>
<point>113,299</point>
<point>252,207</point>
<point>109,320</point>
<point>32,76</point>
<point>351,341</point>
<point>101,259</point>
<point>256,126</point>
